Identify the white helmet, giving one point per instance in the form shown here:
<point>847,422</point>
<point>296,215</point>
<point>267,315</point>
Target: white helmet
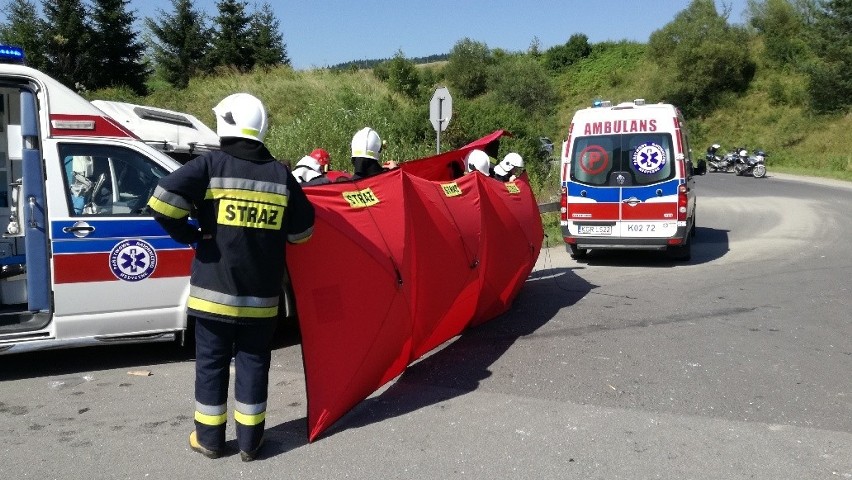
<point>477,160</point>
<point>367,144</point>
<point>241,115</point>
<point>510,161</point>
<point>307,169</point>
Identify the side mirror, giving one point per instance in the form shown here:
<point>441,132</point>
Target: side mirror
<point>701,168</point>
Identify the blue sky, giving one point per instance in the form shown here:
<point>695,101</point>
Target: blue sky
<point>321,33</point>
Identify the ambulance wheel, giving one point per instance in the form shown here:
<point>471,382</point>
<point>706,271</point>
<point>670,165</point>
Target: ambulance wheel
<point>577,253</point>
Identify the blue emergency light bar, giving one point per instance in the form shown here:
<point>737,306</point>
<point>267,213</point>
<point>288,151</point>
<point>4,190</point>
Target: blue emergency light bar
<point>11,54</point>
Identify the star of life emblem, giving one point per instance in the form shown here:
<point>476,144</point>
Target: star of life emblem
<point>132,260</point>
<point>649,158</point>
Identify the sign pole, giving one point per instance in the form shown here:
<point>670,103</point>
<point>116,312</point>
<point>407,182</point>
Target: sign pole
<point>441,102</point>
<point>440,121</point>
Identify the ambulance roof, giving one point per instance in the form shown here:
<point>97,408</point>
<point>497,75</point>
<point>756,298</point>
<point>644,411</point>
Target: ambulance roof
<point>61,99</point>
<point>626,110</point>
<point>165,130</point>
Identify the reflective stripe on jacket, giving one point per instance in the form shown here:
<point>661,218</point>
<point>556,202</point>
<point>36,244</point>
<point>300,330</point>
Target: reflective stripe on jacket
<point>248,205</point>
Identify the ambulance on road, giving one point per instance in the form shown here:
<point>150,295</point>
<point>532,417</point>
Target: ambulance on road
<point>82,261</point>
<point>628,180</point>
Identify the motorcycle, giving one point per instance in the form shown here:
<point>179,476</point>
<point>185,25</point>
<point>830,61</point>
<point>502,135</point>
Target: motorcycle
<point>754,165</point>
<point>717,163</point>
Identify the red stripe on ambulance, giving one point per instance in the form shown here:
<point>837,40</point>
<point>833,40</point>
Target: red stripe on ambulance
<point>592,211</point>
<point>650,211</point>
<point>94,267</point>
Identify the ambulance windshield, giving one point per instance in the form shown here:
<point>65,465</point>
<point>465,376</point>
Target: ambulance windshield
<point>646,158</point>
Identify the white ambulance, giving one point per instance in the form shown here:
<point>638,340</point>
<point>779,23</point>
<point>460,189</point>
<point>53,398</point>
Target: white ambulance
<point>82,261</point>
<point>628,180</point>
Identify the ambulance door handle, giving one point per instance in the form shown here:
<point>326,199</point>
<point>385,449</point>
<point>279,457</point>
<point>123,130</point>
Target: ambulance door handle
<point>31,200</point>
<point>79,229</point>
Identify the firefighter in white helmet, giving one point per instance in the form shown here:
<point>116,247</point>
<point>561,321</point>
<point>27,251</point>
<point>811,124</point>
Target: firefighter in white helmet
<point>509,168</point>
<point>309,171</point>
<point>477,161</point>
<point>367,154</point>
<point>248,205</point>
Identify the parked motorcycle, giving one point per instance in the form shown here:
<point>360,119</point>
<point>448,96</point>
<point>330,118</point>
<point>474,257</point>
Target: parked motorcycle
<point>731,158</point>
<point>754,165</point>
<point>717,163</point>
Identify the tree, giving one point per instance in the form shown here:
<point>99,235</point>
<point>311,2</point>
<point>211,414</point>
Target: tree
<point>66,38</point>
<point>561,56</point>
<point>699,57</point>
<point>119,59</point>
<point>229,46</point>
<point>467,67</point>
<point>402,75</point>
<point>24,30</point>
<point>266,40</point>
<point>783,28</point>
<point>180,43</point>
<point>830,75</point>
<point>522,81</point>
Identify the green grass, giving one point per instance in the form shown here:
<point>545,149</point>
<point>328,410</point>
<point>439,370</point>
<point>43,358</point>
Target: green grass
<point>322,108</point>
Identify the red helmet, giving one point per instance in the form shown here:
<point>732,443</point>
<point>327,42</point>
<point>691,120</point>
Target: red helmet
<point>321,155</point>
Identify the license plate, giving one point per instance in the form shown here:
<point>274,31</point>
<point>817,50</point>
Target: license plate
<point>595,229</point>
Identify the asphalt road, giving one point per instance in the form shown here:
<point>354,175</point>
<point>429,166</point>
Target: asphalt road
<point>737,364</point>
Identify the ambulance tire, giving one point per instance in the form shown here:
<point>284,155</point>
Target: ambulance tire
<point>577,253</point>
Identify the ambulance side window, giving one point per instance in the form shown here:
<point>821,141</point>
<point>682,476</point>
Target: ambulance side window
<point>108,180</point>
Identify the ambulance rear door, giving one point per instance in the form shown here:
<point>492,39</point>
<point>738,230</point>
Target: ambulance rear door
<point>623,185</point>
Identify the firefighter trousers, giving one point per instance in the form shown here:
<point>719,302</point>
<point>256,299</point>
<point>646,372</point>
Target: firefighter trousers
<point>216,342</point>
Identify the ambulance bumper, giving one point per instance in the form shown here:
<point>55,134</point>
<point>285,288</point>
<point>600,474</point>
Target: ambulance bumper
<point>625,243</point>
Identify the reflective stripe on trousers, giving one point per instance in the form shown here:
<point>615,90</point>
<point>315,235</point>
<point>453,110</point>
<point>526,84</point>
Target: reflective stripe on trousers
<point>216,343</point>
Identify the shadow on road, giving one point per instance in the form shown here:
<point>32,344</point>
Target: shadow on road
<point>459,367</point>
<point>48,363</point>
<point>709,244</point>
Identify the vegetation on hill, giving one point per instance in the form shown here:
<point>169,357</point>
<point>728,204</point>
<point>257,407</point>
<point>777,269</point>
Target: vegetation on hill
<point>751,85</point>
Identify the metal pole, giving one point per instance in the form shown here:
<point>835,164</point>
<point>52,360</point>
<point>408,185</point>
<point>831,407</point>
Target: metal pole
<point>440,122</point>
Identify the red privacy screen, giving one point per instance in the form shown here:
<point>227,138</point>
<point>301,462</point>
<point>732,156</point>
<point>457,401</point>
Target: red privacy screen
<point>400,263</point>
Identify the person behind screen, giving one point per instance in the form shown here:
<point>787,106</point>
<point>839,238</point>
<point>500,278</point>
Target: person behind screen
<point>367,154</point>
<point>308,171</point>
<point>324,159</point>
<point>477,161</point>
<point>509,168</point>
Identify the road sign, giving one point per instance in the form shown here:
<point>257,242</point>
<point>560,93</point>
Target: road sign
<point>440,109</point>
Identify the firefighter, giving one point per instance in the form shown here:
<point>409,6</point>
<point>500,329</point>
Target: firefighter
<point>509,168</point>
<point>367,153</point>
<point>324,160</point>
<point>248,205</point>
<point>309,171</point>
<point>477,161</point>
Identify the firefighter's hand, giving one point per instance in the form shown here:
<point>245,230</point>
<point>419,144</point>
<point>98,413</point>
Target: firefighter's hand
<point>391,165</point>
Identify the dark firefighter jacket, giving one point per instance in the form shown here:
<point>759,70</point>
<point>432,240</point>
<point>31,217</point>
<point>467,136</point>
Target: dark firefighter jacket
<point>248,205</point>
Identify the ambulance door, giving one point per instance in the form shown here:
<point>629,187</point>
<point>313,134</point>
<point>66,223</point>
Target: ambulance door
<point>116,272</point>
<point>594,202</point>
<point>648,185</point>
<point>31,208</point>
